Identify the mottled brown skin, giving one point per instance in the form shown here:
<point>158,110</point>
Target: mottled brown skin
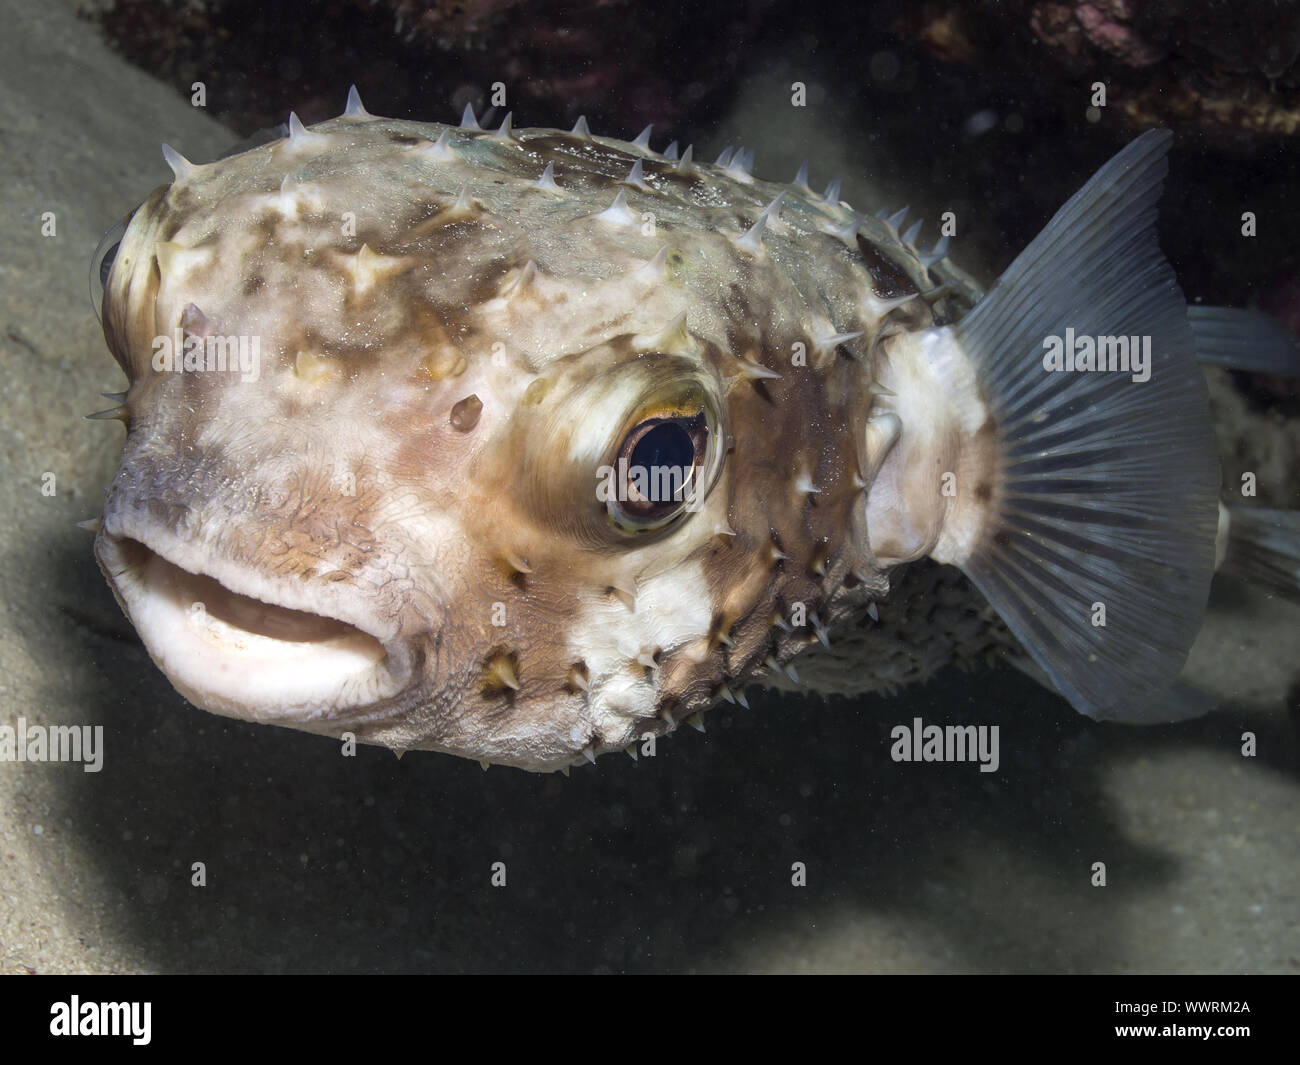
<point>465,396</point>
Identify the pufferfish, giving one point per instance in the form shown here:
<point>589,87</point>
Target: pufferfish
<point>401,394</point>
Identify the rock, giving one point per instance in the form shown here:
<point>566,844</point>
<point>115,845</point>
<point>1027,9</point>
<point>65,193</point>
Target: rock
<point>1228,71</point>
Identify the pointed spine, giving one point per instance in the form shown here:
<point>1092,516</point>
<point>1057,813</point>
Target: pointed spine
<point>354,107</point>
<point>180,166</point>
<point>547,180</point>
<point>636,176</point>
<point>619,213</point>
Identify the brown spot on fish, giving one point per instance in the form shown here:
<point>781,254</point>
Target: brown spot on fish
<point>465,413</point>
<point>888,279</point>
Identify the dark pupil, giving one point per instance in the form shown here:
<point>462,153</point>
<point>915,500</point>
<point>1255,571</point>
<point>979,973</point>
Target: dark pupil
<point>666,445</point>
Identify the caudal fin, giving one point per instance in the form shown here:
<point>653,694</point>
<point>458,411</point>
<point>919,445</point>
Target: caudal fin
<point>1263,547</point>
<point>1244,340</point>
<point>1099,546</point>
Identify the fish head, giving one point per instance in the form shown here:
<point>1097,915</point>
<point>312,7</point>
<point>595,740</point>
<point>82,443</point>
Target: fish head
<point>390,387</point>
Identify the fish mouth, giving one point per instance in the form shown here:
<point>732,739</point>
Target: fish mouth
<point>230,647</point>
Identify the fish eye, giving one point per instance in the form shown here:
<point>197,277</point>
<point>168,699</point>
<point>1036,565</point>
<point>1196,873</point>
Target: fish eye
<point>101,263</point>
<point>659,469</point>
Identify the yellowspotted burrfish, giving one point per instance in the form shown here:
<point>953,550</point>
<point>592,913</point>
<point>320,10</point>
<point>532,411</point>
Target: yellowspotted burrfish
<point>526,444</point>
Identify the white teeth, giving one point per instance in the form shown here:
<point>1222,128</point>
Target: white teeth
<point>684,164</point>
<point>504,134</point>
<point>832,193</point>
<point>467,119</point>
<point>801,178</point>
<point>589,753</point>
<point>724,157</point>
<point>643,138</point>
<point>913,231</point>
<point>580,128</point>
<point>671,151</point>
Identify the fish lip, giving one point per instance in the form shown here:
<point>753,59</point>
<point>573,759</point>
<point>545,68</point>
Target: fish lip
<point>351,663</point>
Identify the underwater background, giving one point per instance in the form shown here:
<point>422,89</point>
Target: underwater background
<point>681,862</point>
